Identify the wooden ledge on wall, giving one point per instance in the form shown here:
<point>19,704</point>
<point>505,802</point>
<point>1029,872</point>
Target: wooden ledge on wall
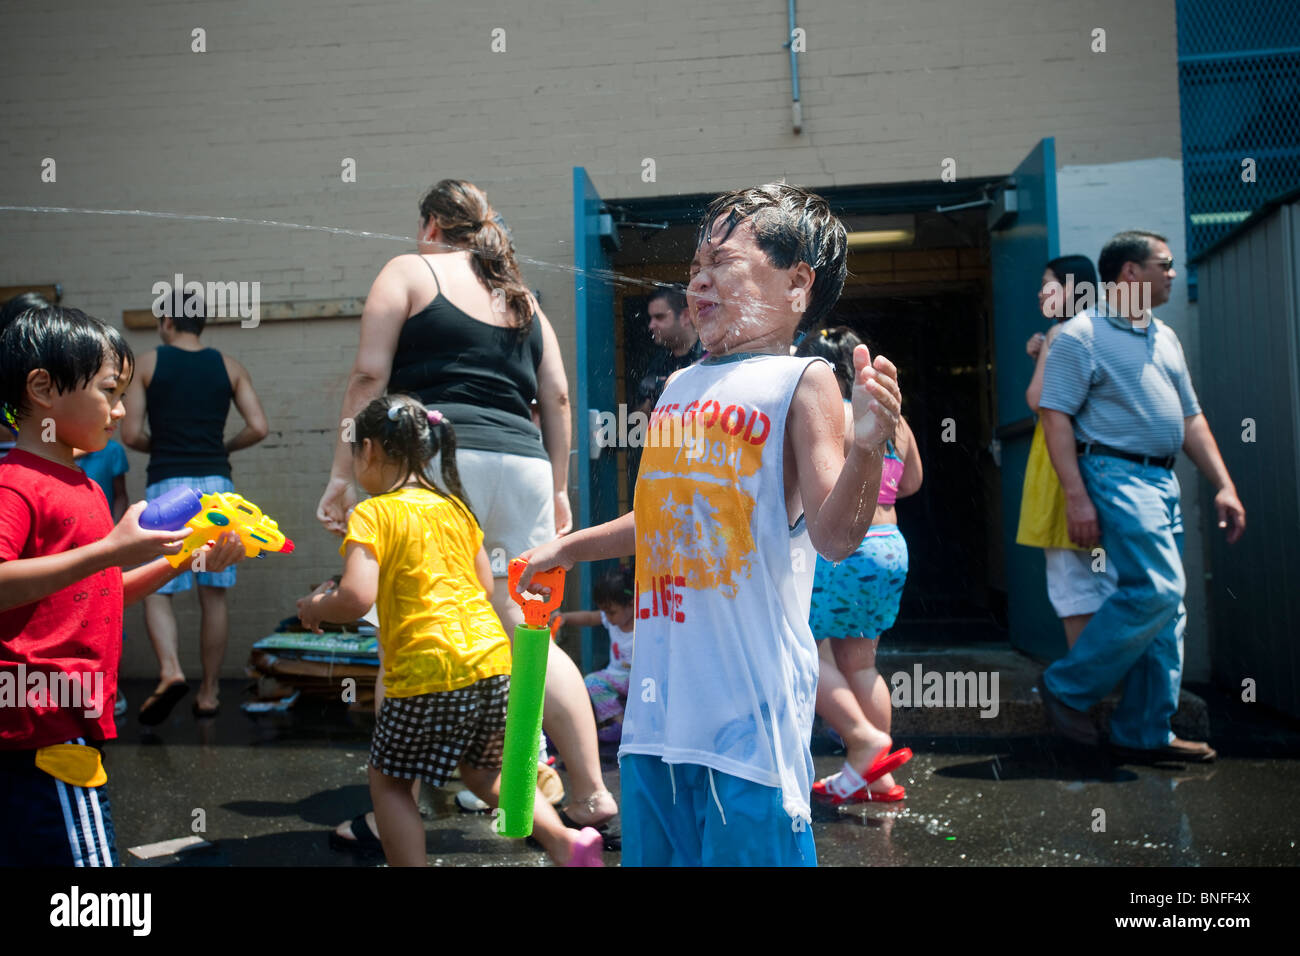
<point>268,312</point>
<point>52,292</point>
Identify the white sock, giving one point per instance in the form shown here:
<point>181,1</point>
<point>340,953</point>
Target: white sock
<point>846,782</point>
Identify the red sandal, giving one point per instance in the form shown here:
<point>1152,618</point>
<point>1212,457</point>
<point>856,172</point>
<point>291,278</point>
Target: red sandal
<point>892,795</point>
<point>883,764</point>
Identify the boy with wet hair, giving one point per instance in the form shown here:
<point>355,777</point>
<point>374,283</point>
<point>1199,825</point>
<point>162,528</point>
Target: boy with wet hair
<point>62,376</point>
<point>743,476</point>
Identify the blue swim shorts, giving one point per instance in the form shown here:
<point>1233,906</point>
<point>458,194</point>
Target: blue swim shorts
<point>211,484</point>
<point>688,815</point>
<point>51,823</point>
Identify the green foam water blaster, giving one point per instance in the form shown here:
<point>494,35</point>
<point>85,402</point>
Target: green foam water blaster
<point>527,694</point>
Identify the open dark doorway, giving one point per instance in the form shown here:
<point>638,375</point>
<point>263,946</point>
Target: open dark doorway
<point>938,338</point>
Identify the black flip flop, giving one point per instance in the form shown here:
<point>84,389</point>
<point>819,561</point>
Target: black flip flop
<point>612,838</point>
<point>366,843</point>
<point>203,712</point>
<point>152,714</point>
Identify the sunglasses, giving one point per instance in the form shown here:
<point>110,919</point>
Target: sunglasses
<point>1164,264</point>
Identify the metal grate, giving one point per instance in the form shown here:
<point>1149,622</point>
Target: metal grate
<point>1239,85</point>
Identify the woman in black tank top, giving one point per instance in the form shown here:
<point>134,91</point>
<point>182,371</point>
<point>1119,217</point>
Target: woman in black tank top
<point>456,326</point>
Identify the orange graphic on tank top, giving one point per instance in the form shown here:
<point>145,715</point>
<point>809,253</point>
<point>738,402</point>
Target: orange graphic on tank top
<point>692,515</point>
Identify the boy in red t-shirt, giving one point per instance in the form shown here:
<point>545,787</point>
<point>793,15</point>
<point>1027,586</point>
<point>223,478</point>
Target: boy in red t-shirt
<point>62,376</point>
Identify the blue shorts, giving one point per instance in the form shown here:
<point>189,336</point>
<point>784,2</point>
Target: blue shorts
<point>687,815</point>
<point>209,485</point>
<point>859,597</point>
<point>46,822</point>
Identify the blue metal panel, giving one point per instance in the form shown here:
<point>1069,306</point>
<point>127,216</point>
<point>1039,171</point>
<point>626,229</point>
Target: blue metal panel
<point>1250,371</point>
<point>1019,254</point>
<point>594,317</point>
<point>1239,92</point>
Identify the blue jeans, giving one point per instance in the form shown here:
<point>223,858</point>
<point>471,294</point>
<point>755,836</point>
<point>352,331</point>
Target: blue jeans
<point>1137,634</point>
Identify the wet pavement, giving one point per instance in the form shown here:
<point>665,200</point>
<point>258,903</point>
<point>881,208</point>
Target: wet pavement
<point>268,790</point>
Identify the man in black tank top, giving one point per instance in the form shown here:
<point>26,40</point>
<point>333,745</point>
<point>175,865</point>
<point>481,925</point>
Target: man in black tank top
<point>183,392</point>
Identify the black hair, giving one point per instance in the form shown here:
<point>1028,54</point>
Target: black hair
<point>402,430</point>
<point>613,588</point>
<point>1077,267</point>
<point>791,225</point>
<point>1132,245</point>
<point>836,346</point>
<point>468,221</point>
<point>8,312</point>
<point>176,310</point>
<point>20,304</point>
<point>69,344</point>
<point>675,295</point>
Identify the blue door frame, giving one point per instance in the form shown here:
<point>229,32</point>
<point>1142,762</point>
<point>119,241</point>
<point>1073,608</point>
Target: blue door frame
<point>1019,250</point>
<point>593,296</point>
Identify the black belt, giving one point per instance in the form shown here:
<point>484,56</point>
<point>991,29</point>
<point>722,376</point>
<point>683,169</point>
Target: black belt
<point>1093,448</point>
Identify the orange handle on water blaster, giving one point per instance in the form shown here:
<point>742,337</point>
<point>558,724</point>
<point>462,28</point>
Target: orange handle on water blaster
<point>537,611</point>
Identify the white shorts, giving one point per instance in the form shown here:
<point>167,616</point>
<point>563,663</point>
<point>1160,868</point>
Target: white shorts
<point>512,496</point>
<point>1073,586</point>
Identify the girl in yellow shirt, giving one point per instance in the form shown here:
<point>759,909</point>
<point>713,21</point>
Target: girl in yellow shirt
<point>416,552</point>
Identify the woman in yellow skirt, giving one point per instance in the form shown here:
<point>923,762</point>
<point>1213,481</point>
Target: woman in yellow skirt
<point>1078,581</point>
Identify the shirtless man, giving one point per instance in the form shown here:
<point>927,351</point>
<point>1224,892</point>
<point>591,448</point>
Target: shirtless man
<point>176,408</point>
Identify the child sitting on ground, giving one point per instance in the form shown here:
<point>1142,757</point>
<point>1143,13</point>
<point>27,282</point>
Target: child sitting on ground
<point>743,475</point>
<point>62,376</point>
<point>416,551</point>
<point>608,687</point>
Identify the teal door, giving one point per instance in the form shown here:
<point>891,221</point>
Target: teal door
<point>1022,242</point>
<point>593,297</point>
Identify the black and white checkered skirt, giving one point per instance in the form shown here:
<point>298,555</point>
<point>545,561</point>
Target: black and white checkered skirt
<point>428,735</point>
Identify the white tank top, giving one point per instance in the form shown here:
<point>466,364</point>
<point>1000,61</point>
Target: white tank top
<point>725,669</point>
<point>620,643</point>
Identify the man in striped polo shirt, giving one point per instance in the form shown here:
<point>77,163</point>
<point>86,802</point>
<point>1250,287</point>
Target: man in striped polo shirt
<point>1116,406</point>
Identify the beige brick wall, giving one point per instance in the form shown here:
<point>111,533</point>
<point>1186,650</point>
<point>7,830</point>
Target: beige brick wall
<point>256,128</point>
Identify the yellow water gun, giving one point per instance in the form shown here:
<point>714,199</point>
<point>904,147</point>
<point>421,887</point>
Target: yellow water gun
<point>208,517</point>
